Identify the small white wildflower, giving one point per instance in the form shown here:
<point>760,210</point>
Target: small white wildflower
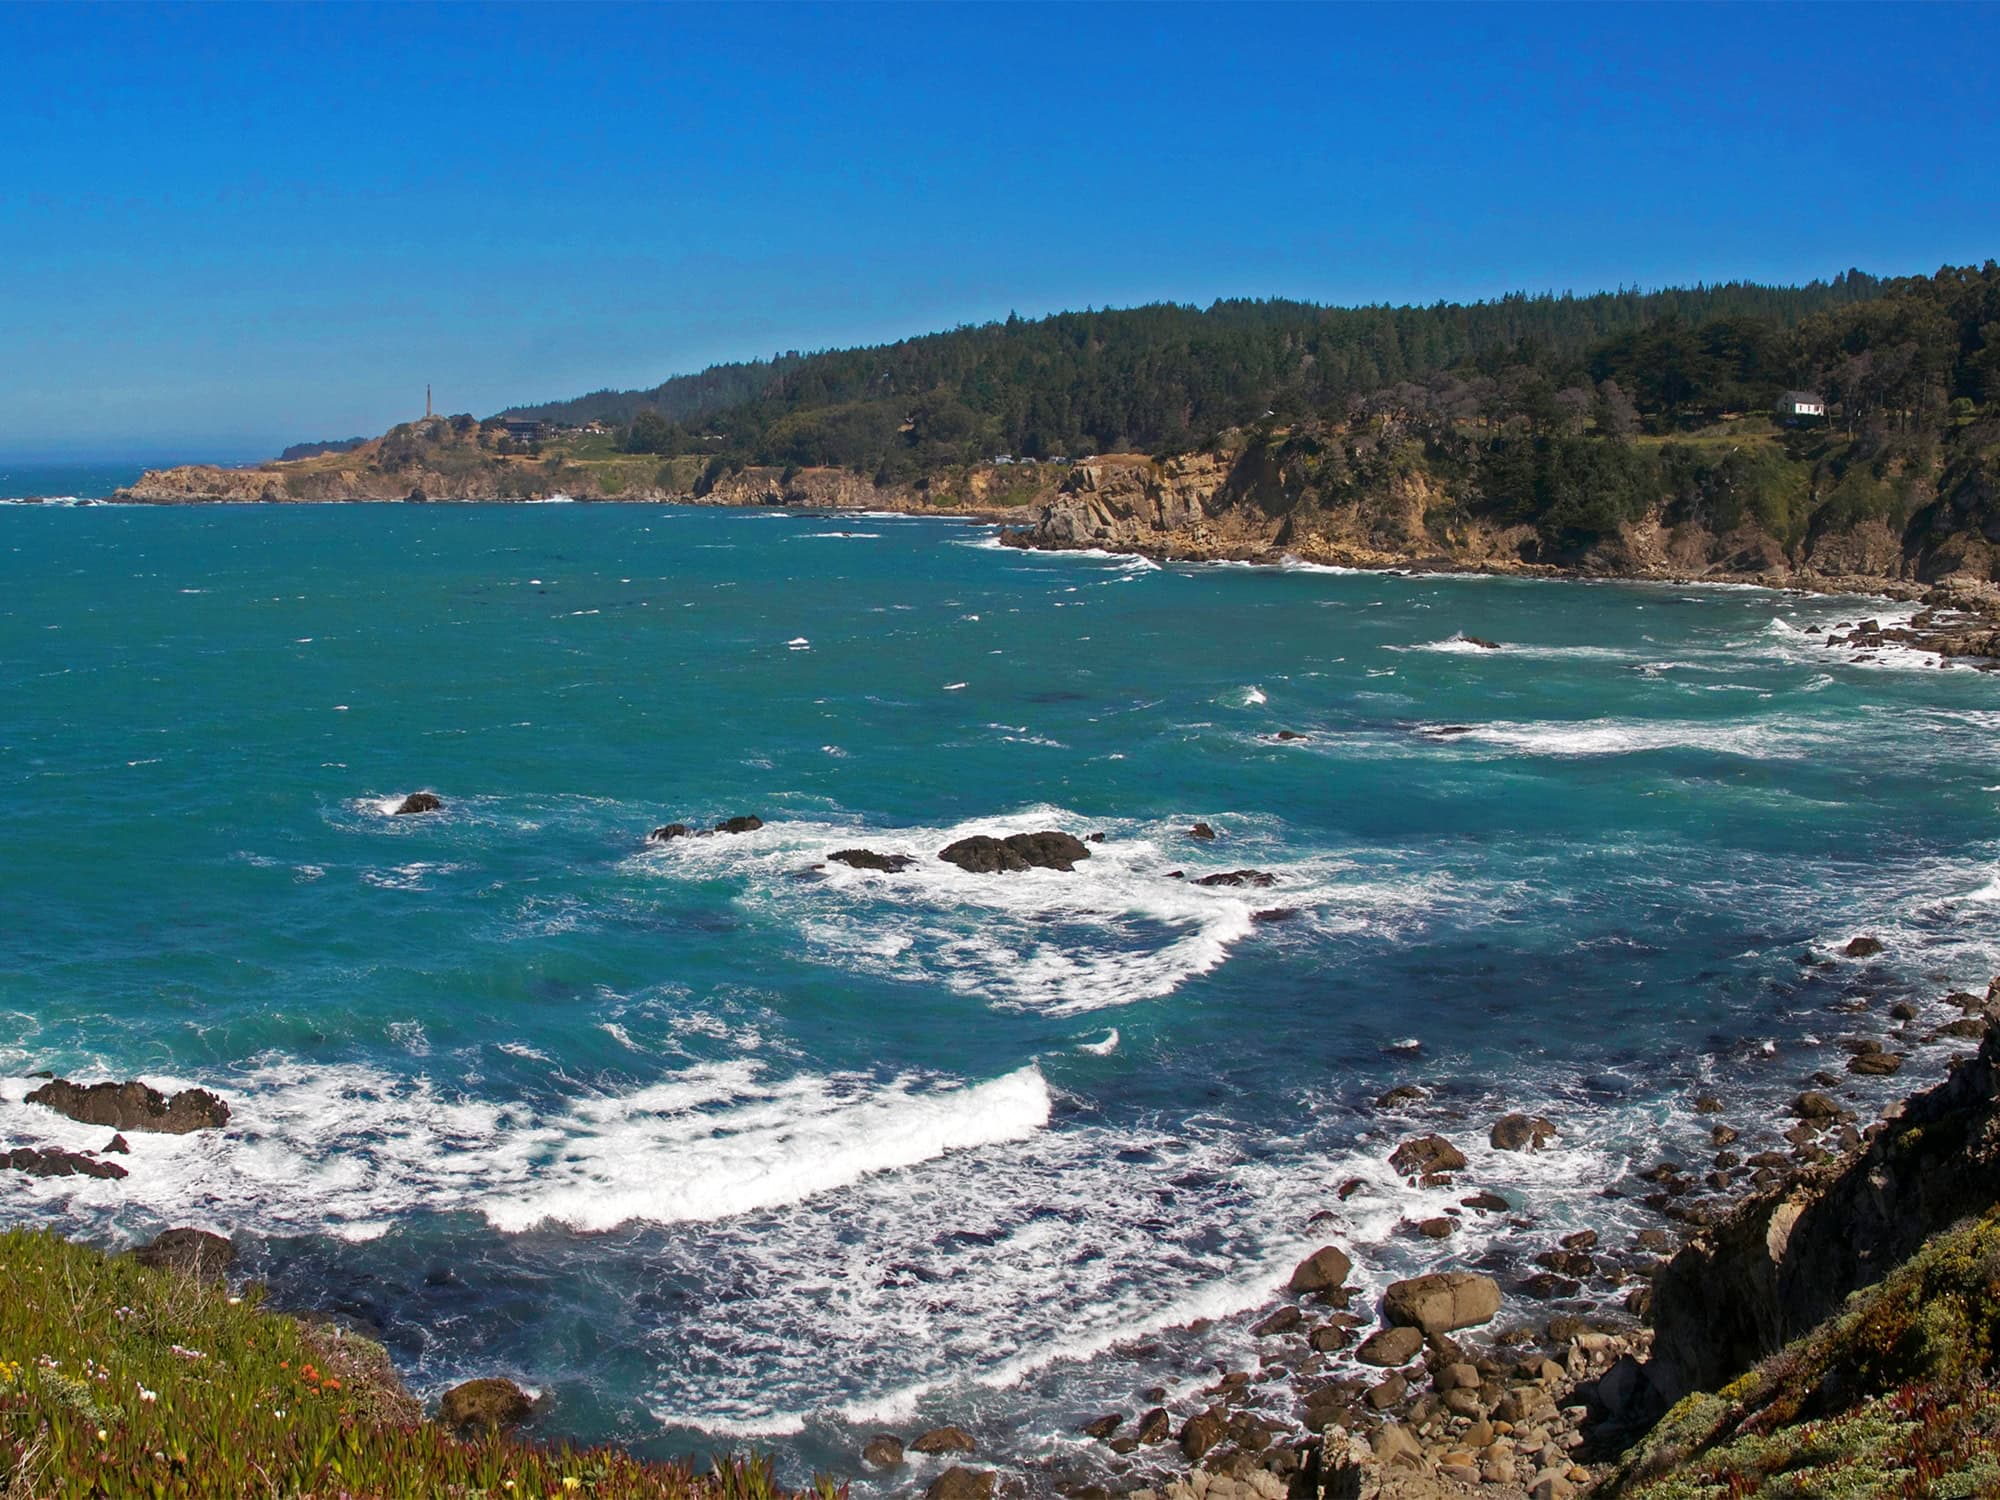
<point>146,1395</point>
<point>103,1436</point>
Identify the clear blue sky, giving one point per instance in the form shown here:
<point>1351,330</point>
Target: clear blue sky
<point>230,228</point>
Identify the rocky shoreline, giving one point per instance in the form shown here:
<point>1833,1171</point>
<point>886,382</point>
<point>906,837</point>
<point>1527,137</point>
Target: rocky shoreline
<point>1520,1373</point>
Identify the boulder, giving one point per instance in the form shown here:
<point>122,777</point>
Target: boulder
<point>1863,947</point>
<point>1815,1106</point>
<point>958,1483</point>
<point>1284,1320</point>
<point>1518,1132</point>
<point>1326,1268</point>
<point>944,1440</point>
<point>55,1162</point>
<point>1155,1427</point>
<point>667,831</point>
<point>1201,831</point>
<point>1401,1094</point>
<point>1436,1229</point>
<point>982,854</point>
<point>1203,1431</point>
<point>1390,1346</point>
<point>1875,1064</point>
<point>418,802</point>
<point>742,823</point>
<point>1386,1392</point>
<point>1275,914</point>
<point>1239,877</point>
<point>133,1106</point>
<point>1426,1155</point>
<point>1481,642</point>
<point>191,1252</point>
<point>884,1451</point>
<point>1395,1445</point>
<point>119,1144</point>
<point>1103,1427</point>
<point>484,1405</point>
<point>1441,1302</point>
<point>868,859</point>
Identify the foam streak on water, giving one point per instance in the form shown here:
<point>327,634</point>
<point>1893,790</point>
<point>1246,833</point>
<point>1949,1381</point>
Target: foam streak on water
<point>720,1139</point>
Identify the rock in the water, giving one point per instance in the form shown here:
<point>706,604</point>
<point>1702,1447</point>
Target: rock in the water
<point>55,1162</point>
<point>1517,1132</point>
<point>1863,947</point>
<point>1290,734</point>
<point>982,854</point>
<point>868,859</point>
<point>1275,914</point>
<point>1239,877</point>
<point>958,1483</point>
<point>667,831</point>
<point>1815,1106</point>
<point>119,1144</point>
<point>1103,1427</point>
<point>1401,1094</point>
<point>1201,1432</point>
<point>884,1451</point>
<point>742,823</point>
<point>944,1440</point>
<point>1426,1155</point>
<point>193,1252</point>
<point>1201,831</point>
<point>1436,1229</point>
<point>1875,1064</point>
<point>1284,1320</point>
<point>484,1405</point>
<point>1441,1302</point>
<point>133,1106</point>
<point>1326,1268</point>
<point>1390,1346</point>
<point>1155,1427</point>
<point>418,802</point>
<point>1481,642</point>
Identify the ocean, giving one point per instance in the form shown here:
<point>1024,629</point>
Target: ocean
<point>718,1143</point>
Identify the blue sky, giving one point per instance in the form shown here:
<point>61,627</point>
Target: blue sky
<point>230,228</point>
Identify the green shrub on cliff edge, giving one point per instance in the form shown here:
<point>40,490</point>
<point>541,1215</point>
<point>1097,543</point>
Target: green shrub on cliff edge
<point>120,1381</point>
<point>1894,1396</point>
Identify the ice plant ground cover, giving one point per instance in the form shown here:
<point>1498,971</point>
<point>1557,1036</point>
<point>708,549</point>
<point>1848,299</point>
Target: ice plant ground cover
<point>118,1380</point>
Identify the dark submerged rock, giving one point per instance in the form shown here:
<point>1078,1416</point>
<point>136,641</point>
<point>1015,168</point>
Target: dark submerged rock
<point>668,831</point>
<point>868,859</point>
<point>1201,831</point>
<point>133,1106</point>
<point>1863,947</point>
<point>418,802</point>
<point>982,854</point>
<point>55,1162</point>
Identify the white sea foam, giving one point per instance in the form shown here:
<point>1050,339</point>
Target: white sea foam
<point>1451,645</point>
<point>1756,739</point>
<point>1104,1046</point>
<point>349,1149</point>
<point>1115,931</point>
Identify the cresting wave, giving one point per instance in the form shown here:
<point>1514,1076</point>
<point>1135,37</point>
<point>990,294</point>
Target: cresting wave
<point>350,1149</point>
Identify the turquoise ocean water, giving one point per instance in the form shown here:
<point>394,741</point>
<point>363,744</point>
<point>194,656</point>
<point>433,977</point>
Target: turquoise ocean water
<point>717,1143</point>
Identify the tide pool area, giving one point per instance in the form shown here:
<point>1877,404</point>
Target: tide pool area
<point>719,1141</point>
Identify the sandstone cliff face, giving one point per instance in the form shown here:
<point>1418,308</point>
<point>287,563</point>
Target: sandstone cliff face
<point>1784,1261</point>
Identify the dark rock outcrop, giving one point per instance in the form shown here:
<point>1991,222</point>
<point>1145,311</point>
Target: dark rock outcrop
<point>982,854</point>
<point>943,1440</point>
<point>1786,1259</point>
<point>884,1451</point>
<point>418,802</point>
<point>55,1162</point>
<point>1427,1156</point>
<point>742,823</point>
<point>191,1252</point>
<point>1201,831</point>
<point>1323,1270</point>
<point>1517,1132</point>
<point>484,1405</point>
<point>133,1106</point>
<point>668,831</point>
<point>1863,947</point>
<point>868,859</point>
<point>1239,877</point>
<point>958,1483</point>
